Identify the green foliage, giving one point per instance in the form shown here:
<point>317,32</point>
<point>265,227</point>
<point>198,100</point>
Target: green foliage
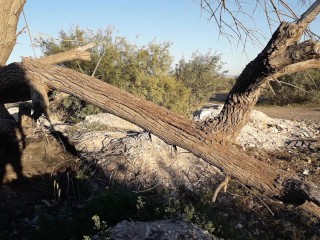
<point>303,87</point>
<point>76,109</point>
<point>106,209</point>
<point>201,75</point>
<point>143,71</point>
<point>140,203</point>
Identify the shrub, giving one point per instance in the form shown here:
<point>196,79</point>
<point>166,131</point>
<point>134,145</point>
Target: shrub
<point>298,88</point>
<point>143,71</point>
<point>201,75</point>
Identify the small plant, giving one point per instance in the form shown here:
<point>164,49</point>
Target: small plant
<point>98,225</point>
<point>173,210</point>
<point>140,203</point>
<point>190,213</point>
<point>81,175</point>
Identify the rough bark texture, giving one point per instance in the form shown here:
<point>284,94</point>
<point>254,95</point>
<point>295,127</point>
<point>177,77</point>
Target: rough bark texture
<point>30,79</point>
<point>9,17</point>
<point>172,128</point>
<point>282,52</point>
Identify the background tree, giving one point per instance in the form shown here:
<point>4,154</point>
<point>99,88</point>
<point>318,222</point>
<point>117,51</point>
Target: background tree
<point>302,87</point>
<point>201,74</point>
<point>143,71</point>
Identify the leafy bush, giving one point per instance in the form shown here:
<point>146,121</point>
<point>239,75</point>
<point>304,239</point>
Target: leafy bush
<point>143,71</point>
<point>201,75</point>
<point>76,110</point>
<point>298,88</point>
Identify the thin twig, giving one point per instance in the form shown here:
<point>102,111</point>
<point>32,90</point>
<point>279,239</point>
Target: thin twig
<point>98,63</point>
<point>29,32</point>
<point>21,31</point>
<point>79,66</point>
<point>292,85</point>
<point>257,197</point>
<point>149,189</point>
<point>271,88</point>
<point>276,10</point>
<point>224,185</point>
<point>311,79</point>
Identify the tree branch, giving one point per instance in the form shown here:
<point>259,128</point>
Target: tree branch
<point>308,16</point>
<point>296,67</point>
<point>79,53</point>
<point>14,87</point>
<point>172,128</point>
<point>301,52</point>
<point>281,51</point>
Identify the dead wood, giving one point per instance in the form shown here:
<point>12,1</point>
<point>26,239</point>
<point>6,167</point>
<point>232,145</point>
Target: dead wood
<point>212,142</point>
<point>79,53</point>
<point>311,208</point>
<point>174,129</point>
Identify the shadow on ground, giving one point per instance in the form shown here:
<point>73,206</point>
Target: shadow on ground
<point>55,196</point>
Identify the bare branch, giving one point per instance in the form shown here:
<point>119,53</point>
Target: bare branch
<point>309,75</point>
<point>297,53</point>
<point>276,10</point>
<point>29,33</point>
<point>224,185</point>
<point>297,67</point>
<point>290,84</point>
<point>235,21</point>
<point>102,55</point>
<point>79,53</point>
<point>308,16</point>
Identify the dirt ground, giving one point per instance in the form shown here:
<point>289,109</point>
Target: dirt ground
<point>290,112</point>
<point>306,113</point>
<point>22,199</point>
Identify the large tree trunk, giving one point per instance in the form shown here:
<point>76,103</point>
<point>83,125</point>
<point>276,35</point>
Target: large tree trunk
<point>9,16</point>
<point>172,128</point>
<point>211,141</point>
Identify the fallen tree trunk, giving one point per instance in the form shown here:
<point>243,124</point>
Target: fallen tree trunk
<point>30,79</point>
<point>172,128</point>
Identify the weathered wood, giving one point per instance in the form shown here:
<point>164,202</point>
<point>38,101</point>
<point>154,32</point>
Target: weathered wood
<point>14,87</point>
<point>173,129</point>
<point>311,208</point>
<point>79,53</point>
<point>30,79</point>
<point>282,51</point>
<point>9,17</point>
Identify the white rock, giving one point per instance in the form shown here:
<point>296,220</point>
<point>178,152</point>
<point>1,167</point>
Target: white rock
<point>306,172</point>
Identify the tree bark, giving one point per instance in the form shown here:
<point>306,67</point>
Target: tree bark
<point>9,16</point>
<point>79,53</point>
<point>281,56</point>
<point>172,128</point>
<point>31,78</point>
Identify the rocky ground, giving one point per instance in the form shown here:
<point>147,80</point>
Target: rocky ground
<point>118,153</point>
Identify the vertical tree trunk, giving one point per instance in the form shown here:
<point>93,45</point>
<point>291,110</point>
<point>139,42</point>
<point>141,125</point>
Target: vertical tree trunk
<point>10,11</point>
<point>9,16</point>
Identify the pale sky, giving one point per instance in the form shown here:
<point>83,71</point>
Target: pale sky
<point>180,21</point>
